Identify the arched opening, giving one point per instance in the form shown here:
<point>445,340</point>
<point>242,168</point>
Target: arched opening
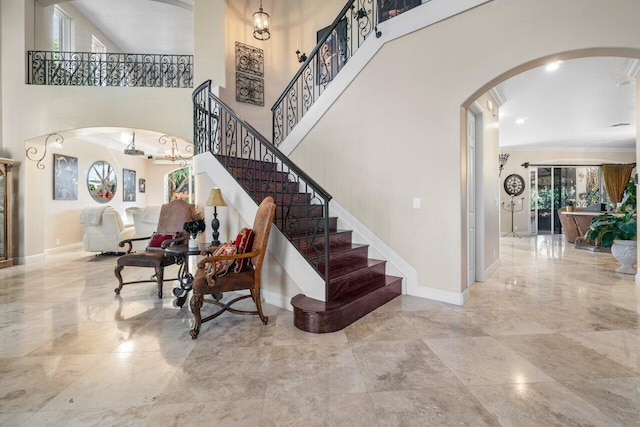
<point>72,169</point>
<point>491,194</point>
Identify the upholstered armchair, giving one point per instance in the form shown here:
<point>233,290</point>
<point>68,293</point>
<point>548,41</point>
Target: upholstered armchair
<point>210,279</point>
<point>173,215</point>
<point>103,230</point>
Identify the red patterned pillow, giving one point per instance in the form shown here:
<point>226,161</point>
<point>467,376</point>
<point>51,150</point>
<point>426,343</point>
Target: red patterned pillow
<point>244,243</point>
<point>158,238</point>
<point>222,266</point>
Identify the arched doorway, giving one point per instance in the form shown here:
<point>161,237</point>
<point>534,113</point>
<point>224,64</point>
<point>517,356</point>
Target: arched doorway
<point>490,163</point>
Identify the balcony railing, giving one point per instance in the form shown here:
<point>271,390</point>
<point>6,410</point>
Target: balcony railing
<point>109,69</point>
<point>357,20</point>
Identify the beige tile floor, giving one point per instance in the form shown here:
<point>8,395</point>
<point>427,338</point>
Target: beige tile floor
<point>551,339</point>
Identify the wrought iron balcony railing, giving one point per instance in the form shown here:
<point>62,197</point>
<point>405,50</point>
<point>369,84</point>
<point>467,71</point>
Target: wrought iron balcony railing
<point>336,45</point>
<point>109,69</point>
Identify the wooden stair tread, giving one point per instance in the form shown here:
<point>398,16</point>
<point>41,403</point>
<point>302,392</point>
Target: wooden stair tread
<point>318,317</point>
<point>343,274</point>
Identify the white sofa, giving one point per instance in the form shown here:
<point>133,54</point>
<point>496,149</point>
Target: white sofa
<point>103,229</point>
<point>145,222</point>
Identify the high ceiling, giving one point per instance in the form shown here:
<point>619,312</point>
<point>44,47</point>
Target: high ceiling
<point>584,104</point>
<point>143,26</point>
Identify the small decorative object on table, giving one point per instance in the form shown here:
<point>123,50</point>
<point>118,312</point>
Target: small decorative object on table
<point>195,226</point>
<point>571,205</point>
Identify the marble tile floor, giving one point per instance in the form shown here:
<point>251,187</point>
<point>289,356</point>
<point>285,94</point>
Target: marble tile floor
<point>552,338</point>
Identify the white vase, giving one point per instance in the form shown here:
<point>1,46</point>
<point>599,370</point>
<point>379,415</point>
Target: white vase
<point>193,243</point>
<point>626,253</point>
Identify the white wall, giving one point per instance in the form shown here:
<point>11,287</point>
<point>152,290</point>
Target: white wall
<point>521,219</point>
<point>83,29</point>
<point>395,133</point>
<point>294,24</point>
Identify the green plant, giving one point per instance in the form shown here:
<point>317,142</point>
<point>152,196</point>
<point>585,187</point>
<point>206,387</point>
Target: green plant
<point>571,202</point>
<point>194,227</point>
<point>606,228</point>
<point>628,197</point>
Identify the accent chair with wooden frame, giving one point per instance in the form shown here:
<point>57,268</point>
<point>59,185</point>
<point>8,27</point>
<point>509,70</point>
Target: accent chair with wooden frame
<point>173,215</point>
<point>249,278</point>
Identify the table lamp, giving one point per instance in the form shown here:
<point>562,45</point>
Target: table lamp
<point>215,200</point>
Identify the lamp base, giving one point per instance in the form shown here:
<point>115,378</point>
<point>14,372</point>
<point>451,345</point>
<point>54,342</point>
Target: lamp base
<point>215,225</point>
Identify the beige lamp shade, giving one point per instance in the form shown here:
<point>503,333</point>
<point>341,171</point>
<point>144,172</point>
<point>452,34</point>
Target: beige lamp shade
<point>215,198</point>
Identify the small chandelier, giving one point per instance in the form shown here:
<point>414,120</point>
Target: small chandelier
<point>261,24</point>
<point>173,153</point>
<point>502,160</point>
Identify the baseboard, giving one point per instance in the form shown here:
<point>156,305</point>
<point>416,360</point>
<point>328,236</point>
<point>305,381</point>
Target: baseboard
<point>64,248</point>
<point>277,299</point>
<point>449,297</point>
<point>492,269</point>
<point>31,259</point>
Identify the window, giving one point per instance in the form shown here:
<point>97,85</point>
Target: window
<point>62,40</point>
<point>97,46</point>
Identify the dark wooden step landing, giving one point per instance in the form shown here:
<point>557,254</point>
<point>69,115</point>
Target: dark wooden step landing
<point>319,317</point>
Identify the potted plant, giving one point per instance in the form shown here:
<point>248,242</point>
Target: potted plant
<point>628,197</point>
<point>618,232</point>
<point>571,205</point>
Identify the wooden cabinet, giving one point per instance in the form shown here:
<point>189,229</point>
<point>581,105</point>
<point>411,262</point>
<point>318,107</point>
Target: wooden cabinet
<point>6,196</point>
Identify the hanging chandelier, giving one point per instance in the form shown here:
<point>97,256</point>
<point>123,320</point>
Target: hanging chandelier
<point>173,154</point>
<point>261,24</point>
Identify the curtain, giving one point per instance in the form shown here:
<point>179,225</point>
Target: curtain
<point>615,178</point>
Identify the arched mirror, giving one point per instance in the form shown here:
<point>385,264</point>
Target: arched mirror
<point>102,181</point>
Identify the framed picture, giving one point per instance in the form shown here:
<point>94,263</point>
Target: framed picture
<point>128,185</point>
<point>390,8</point>
<point>333,52</point>
<point>142,185</point>
<point>65,177</point>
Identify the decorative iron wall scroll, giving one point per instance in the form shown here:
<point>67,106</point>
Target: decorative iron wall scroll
<point>249,74</point>
<point>249,89</point>
<point>249,59</point>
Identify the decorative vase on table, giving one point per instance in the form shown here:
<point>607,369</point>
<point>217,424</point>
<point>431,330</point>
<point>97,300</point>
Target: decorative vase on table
<point>626,253</point>
<point>193,242</point>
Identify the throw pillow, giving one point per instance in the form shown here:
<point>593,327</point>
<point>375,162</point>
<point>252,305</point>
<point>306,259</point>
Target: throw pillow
<point>222,266</point>
<point>244,243</point>
<point>158,238</point>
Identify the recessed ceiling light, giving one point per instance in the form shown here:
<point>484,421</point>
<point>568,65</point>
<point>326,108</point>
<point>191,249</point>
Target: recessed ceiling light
<point>553,66</point>
<point>521,121</point>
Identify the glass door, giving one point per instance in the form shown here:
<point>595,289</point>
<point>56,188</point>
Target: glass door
<point>544,200</point>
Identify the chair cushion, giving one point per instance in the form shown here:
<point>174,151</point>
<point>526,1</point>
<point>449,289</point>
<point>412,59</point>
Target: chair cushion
<point>158,238</point>
<point>221,267</point>
<point>244,243</point>
<point>145,259</point>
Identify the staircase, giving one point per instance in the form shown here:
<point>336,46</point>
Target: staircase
<point>357,284</point>
<point>354,284</point>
